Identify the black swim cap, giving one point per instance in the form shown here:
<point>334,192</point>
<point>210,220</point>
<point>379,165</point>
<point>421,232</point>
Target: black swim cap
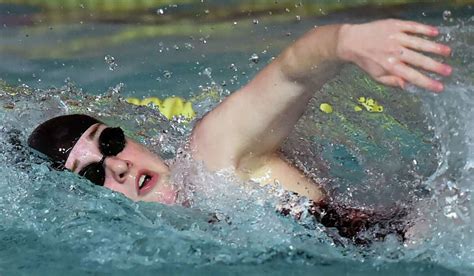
<point>56,137</point>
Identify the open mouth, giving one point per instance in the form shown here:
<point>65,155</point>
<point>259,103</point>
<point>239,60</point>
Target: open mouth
<point>146,181</point>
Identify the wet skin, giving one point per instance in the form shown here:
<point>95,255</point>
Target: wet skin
<point>135,172</point>
<point>245,136</point>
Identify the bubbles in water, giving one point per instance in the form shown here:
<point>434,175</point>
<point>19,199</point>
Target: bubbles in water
<point>110,61</point>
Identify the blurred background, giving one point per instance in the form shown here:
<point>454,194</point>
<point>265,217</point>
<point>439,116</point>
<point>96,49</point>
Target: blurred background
<point>152,47</point>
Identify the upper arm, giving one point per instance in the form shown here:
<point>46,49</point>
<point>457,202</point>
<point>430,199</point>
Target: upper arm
<point>253,121</point>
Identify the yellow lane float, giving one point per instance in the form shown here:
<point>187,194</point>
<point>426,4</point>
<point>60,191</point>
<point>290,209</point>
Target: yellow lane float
<point>170,107</point>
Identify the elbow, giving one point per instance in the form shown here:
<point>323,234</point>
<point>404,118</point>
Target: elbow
<point>290,66</point>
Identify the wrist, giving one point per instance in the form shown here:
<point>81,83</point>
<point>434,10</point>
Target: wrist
<point>343,48</point>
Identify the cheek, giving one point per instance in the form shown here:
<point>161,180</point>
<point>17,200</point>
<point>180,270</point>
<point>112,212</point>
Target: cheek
<point>134,152</point>
<point>141,156</point>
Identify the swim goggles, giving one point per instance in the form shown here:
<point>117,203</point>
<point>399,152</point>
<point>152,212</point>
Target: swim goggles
<point>111,142</point>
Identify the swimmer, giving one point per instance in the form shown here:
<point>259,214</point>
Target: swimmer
<point>245,131</point>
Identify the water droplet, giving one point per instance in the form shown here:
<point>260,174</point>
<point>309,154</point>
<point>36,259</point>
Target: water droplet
<point>110,60</point>
<point>448,37</point>
<point>188,46</point>
<point>167,74</point>
<point>254,58</point>
<point>117,89</point>
<point>447,15</point>
<point>233,67</point>
<point>207,71</point>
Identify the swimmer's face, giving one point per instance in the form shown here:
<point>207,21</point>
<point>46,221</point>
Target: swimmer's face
<point>134,171</point>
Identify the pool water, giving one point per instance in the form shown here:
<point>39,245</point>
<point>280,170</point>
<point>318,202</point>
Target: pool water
<point>419,151</point>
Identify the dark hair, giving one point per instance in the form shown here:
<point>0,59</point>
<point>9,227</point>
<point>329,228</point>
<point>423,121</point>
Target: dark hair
<point>56,137</point>
<point>362,226</point>
<point>352,222</point>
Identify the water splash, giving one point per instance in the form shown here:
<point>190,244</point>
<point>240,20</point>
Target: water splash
<point>57,218</point>
<point>110,61</point>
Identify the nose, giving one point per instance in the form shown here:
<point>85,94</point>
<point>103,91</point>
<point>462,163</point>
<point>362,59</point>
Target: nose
<point>118,168</point>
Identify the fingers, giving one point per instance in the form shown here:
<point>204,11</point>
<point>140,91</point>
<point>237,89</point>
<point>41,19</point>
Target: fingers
<point>417,28</point>
<point>424,45</point>
<point>409,57</point>
<point>413,76</point>
<point>392,81</point>
<point>422,61</point>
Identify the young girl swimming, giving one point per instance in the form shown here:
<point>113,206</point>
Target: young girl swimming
<point>245,131</point>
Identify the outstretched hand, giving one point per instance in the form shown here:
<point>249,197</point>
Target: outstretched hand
<point>390,52</point>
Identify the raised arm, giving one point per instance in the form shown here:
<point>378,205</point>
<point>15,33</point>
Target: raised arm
<point>253,122</point>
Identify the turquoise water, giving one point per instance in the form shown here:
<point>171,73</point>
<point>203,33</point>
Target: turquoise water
<point>55,223</point>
